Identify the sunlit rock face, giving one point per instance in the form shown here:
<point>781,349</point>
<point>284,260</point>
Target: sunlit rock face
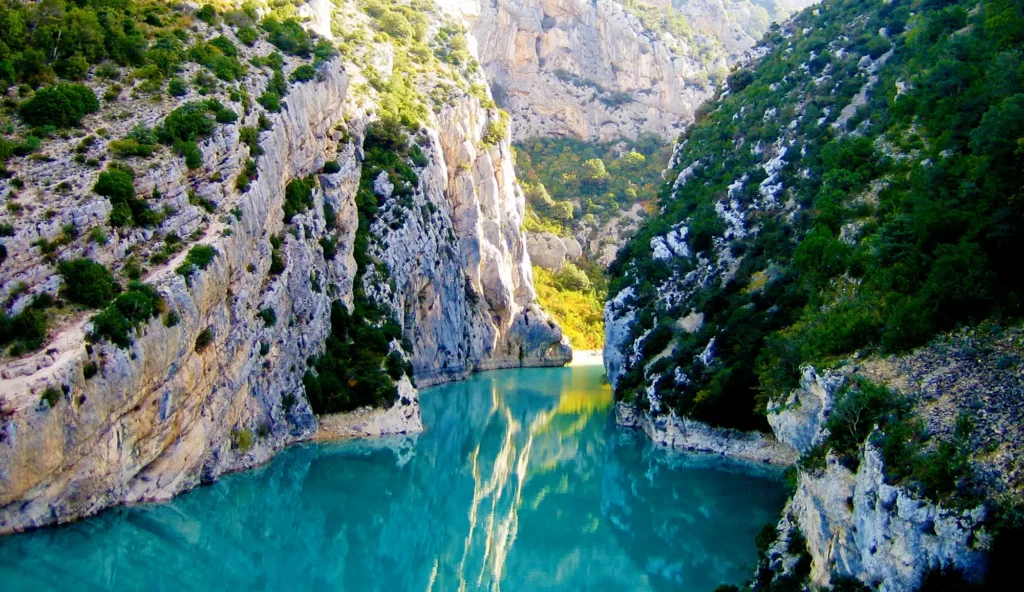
<point>859,524</point>
<point>165,415</point>
<point>593,70</point>
<point>519,481</point>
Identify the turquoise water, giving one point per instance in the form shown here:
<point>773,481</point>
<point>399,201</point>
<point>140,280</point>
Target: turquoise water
<point>520,482</point>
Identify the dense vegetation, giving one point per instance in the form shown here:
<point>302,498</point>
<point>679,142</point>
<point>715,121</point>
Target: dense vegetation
<point>360,366</point>
<point>570,297</point>
<point>575,187</point>
<point>898,220</point>
<point>61,55</point>
<point>570,183</point>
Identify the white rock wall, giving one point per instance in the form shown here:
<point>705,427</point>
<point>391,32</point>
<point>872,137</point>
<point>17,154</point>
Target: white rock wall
<point>859,526</point>
<point>160,417</point>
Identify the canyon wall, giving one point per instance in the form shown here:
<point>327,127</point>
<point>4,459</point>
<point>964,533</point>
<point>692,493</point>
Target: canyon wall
<point>594,70</point>
<point>209,386</point>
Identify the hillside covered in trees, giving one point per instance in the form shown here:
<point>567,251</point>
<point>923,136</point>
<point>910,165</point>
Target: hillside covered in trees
<point>857,188</point>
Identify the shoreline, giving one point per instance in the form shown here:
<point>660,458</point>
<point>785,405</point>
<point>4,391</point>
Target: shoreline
<point>587,357</point>
<point>681,433</point>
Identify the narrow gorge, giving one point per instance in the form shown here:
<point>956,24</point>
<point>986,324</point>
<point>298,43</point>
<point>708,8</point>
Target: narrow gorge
<point>533,294</point>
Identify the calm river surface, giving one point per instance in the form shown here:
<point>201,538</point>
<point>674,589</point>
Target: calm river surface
<point>521,481</point>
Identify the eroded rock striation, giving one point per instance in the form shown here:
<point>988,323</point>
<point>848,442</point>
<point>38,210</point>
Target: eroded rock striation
<point>595,70</point>
<point>858,524</point>
<point>211,385</point>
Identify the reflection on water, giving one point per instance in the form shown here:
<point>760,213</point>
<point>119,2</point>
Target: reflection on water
<point>521,482</point>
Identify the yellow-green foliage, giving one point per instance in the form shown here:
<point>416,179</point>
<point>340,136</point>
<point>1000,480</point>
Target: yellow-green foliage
<point>242,439</point>
<point>534,223</point>
<point>578,312</point>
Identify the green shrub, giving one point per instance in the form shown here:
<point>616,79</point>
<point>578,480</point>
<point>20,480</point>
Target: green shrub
<point>250,137</point>
<point>242,182</point>
<point>242,440</point>
<point>247,35</point>
<point>496,130</point>
<point>288,35</point>
<point>270,101</point>
<point>188,123</point>
<point>298,197</point>
<point>62,105</point>
<point>207,14</point>
<point>766,538</point>
<point>417,156</point>
<point>177,87</point>
<point>129,147</point>
<point>269,316</point>
<point>572,278</point>
<point>226,116</point>
<point>204,339</point>
<point>199,257</point>
<point>51,396</point>
<point>88,283</point>
<point>142,134</point>
<point>27,330</point>
<point>171,319</point>
<point>330,247</point>
<point>136,305</point>
<point>193,155</point>
<point>331,167</point>
<point>118,186</point>
<point>304,73</point>
<point>89,369</point>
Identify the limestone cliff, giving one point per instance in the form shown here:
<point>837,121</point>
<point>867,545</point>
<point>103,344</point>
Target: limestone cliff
<point>599,70</point>
<point>860,524</point>
<point>209,386</point>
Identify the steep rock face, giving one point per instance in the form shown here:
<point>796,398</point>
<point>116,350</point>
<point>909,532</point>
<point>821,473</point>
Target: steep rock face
<point>161,417</point>
<point>593,70</point>
<point>858,524</point>
<point>463,286</point>
<point>800,420</point>
<point>172,411</point>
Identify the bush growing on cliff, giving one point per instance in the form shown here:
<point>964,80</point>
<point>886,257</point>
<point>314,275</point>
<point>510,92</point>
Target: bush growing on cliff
<point>139,303</point>
<point>298,197</point>
<point>188,123</point>
<point>353,371</point>
<point>288,35</point>
<point>61,105</point>
<point>304,73</point>
<point>199,257</point>
<point>118,186</point>
<point>496,130</point>
<point>87,282</point>
<point>27,330</point>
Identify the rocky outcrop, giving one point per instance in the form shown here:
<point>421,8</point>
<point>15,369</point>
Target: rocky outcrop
<point>800,420</point>
<point>681,433</point>
<point>401,418</point>
<point>593,70</point>
<point>460,275</point>
<point>858,524</point>
<point>550,251</point>
<point>209,387</point>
